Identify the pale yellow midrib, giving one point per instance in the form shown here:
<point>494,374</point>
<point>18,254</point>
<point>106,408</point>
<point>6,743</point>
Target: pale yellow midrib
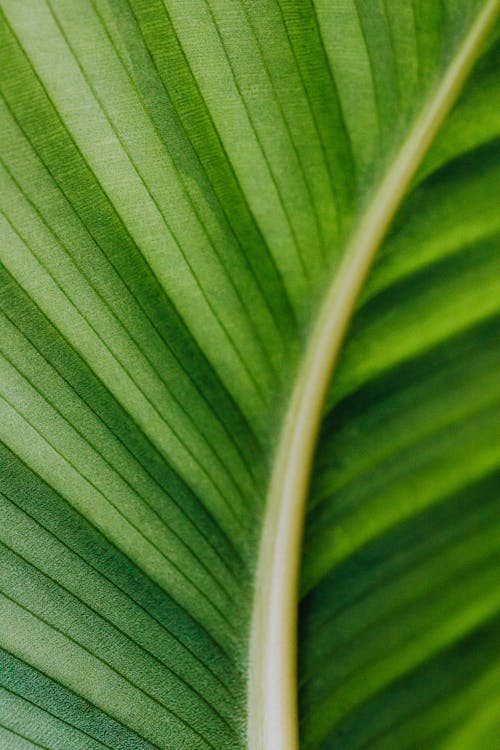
<point>272,705</point>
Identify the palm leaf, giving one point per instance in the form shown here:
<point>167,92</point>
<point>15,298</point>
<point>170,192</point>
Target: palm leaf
<point>193,197</point>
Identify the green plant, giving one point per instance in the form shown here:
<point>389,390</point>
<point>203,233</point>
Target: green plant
<point>228,226</point>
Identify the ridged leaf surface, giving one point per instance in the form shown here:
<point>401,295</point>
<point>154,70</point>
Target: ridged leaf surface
<point>194,192</point>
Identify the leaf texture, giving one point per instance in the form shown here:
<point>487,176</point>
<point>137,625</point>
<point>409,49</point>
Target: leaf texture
<point>400,564</point>
<point>180,182</point>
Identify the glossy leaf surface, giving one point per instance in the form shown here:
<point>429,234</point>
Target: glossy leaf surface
<point>183,185</point>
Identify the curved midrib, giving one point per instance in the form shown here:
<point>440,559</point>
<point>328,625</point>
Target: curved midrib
<point>272,706</point>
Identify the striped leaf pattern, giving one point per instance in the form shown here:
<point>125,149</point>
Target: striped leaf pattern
<point>183,183</point>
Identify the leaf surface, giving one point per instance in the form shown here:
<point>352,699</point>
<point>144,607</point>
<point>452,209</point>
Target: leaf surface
<point>183,184</point>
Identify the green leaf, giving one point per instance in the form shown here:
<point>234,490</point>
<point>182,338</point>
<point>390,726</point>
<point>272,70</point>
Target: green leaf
<point>223,223</point>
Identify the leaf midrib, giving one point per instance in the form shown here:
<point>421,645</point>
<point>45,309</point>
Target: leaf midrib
<point>272,704</point>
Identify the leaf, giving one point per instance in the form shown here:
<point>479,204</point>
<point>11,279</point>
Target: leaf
<point>193,195</point>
